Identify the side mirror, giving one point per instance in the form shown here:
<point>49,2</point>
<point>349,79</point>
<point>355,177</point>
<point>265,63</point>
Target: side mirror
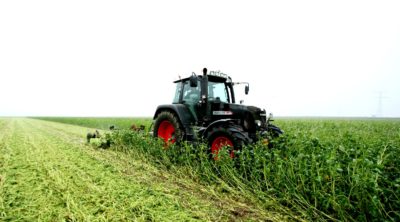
<point>193,81</point>
<point>270,118</point>
<point>246,89</point>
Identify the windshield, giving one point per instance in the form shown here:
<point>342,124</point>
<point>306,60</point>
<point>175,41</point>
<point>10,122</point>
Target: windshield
<point>217,90</point>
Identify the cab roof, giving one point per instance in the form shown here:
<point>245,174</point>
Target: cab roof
<point>211,78</point>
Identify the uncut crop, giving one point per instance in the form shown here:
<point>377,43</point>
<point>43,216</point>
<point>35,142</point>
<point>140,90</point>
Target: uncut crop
<point>320,169</point>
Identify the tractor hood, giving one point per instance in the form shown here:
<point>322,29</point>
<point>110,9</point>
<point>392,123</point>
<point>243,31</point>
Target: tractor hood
<point>251,109</point>
<point>238,111</point>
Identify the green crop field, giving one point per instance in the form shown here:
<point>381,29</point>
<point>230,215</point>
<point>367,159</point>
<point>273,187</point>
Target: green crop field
<point>320,169</point>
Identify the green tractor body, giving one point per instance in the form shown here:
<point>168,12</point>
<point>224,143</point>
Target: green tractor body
<point>204,108</point>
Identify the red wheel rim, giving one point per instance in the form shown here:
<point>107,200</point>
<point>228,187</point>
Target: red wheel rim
<point>220,142</point>
<point>166,131</point>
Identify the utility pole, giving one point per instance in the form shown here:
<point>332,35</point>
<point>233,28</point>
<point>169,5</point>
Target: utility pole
<point>380,104</point>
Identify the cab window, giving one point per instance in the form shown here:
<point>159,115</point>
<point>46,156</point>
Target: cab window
<point>177,92</point>
<point>217,90</point>
<point>191,95</point>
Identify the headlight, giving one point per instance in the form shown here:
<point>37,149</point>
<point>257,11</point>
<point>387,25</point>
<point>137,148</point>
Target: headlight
<point>258,123</point>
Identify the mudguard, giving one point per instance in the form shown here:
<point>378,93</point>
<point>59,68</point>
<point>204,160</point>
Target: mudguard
<point>181,111</point>
<point>275,129</point>
<point>216,123</point>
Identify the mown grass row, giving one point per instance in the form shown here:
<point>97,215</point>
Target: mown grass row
<point>320,169</point>
<point>100,122</point>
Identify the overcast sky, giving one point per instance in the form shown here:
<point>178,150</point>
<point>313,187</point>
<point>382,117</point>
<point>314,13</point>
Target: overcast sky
<point>119,58</point>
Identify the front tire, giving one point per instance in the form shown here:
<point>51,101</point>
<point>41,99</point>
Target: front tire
<point>168,128</point>
<point>226,135</point>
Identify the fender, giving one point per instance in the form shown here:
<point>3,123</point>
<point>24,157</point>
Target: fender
<point>183,113</point>
<point>216,123</point>
<point>275,129</point>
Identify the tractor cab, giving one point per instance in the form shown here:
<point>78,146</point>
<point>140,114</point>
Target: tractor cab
<point>207,96</point>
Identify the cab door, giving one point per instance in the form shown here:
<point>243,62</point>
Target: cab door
<point>191,98</point>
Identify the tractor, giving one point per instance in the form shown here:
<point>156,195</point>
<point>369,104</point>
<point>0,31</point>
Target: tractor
<point>204,109</point>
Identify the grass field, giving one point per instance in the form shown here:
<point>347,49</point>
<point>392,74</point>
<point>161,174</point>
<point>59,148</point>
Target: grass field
<point>321,169</point>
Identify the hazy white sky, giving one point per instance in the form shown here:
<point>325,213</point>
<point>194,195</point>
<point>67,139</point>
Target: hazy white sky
<point>119,58</point>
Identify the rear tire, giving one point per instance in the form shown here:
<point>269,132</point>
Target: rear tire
<point>168,128</point>
<point>226,135</point>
